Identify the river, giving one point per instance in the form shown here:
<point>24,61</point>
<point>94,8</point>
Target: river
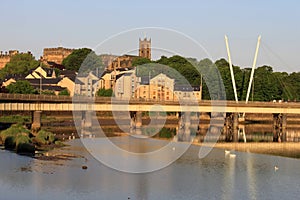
<point>217,176</point>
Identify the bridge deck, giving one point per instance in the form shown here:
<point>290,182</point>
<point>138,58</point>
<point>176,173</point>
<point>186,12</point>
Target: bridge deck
<point>17,102</point>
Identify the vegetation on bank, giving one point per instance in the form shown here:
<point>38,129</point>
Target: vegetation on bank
<point>268,85</point>
<point>22,141</point>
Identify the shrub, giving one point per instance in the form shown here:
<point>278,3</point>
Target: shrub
<point>44,137</point>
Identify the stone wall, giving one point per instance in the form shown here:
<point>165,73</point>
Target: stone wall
<point>56,55</point>
<point>5,57</point>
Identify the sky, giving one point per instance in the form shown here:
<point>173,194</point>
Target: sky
<point>31,25</point>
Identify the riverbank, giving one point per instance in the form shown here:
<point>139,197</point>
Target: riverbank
<point>291,150</point>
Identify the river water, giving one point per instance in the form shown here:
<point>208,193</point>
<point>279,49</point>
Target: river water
<point>247,176</point>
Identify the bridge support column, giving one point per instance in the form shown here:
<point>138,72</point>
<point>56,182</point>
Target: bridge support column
<point>279,127</point>
<point>231,127</point>
<point>86,122</point>
<point>136,122</point>
<point>36,121</point>
<point>235,127</point>
<point>184,124</point>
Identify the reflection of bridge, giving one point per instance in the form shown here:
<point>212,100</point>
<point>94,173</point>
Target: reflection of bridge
<point>39,103</point>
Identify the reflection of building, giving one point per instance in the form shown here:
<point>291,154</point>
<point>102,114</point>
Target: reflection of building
<point>56,55</point>
<point>5,57</point>
<point>145,48</point>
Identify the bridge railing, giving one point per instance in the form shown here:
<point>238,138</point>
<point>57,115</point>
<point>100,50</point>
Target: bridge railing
<point>54,98</point>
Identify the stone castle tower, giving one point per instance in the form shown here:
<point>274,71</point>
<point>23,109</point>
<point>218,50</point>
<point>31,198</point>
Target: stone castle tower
<point>145,48</point>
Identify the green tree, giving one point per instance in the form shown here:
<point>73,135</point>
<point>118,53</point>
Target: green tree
<point>105,93</point>
<point>64,92</point>
<point>21,87</point>
<point>84,59</point>
<point>140,61</point>
<point>19,64</point>
<point>48,92</point>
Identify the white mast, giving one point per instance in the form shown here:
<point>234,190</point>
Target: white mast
<point>253,68</point>
<point>231,69</point>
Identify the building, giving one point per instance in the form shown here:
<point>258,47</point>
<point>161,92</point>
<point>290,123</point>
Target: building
<point>158,88</point>
<point>5,57</point>
<point>56,55</point>
<point>163,88</point>
<point>126,85</point>
<point>86,85</point>
<point>41,72</point>
<point>145,48</point>
<point>187,92</point>
<point>113,62</point>
<point>121,62</point>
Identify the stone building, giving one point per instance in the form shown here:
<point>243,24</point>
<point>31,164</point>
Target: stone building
<point>56,55</point>
<point>5,57</point>
<point>113,62</point>
<point>121,62</point>
<point>145,48</point>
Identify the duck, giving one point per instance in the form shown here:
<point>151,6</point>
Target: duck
<point>232,155</point>
<point>227,152</point>
<point>276,168</point>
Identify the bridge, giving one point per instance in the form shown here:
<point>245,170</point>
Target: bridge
<point>229,110</point>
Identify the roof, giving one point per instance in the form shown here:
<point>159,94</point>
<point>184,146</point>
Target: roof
<point>15,76</point>
<point>145,80</point>
<point>49,87</point>
<point>49,71</point>
<point>44,81</point>
<point>186,88</point>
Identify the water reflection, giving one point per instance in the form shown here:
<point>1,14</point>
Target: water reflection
<point>248,176</point>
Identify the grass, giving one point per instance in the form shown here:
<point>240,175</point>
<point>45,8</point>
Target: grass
<point>15,119</point>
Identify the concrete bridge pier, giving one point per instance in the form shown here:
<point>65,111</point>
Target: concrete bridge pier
<point>36,121</point>
<point>231,127</point>
<point>279,127</point>
<point>136,122</point>
<point>86,122</point>
<point>184,124</point>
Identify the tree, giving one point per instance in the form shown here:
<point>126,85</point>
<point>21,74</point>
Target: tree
<point>19,64</point>
<point>140,61</point>
<point>21,87</point>
<point>84,59</point>
<point>48,92</point>
<point>64,92</point>
<point>105,93</point>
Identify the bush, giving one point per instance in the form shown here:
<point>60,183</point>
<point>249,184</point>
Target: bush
<point>13,131</point>
<point>64,92</point>
<point>24,145</point>
<point>10,142</point>
<point>44,137</point>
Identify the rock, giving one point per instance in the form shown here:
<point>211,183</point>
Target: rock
<point>84,167</point>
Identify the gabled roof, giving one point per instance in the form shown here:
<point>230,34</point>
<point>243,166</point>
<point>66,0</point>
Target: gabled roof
<point>49,87</point>
<point>15,77</point>
<point>186,88</point>
<point>44,81</point>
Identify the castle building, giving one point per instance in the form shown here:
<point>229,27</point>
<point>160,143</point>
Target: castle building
<point>5,57</point>
<point>145,48</point>
<point>56,55</point>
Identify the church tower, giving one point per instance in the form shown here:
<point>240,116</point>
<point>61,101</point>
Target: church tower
<point>145,48</point>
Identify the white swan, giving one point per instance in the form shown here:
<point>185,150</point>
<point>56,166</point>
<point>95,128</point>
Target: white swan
<point>232,155</point>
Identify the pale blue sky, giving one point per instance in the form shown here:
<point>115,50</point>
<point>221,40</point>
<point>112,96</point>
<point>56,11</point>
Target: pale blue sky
<point>32,25</point>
